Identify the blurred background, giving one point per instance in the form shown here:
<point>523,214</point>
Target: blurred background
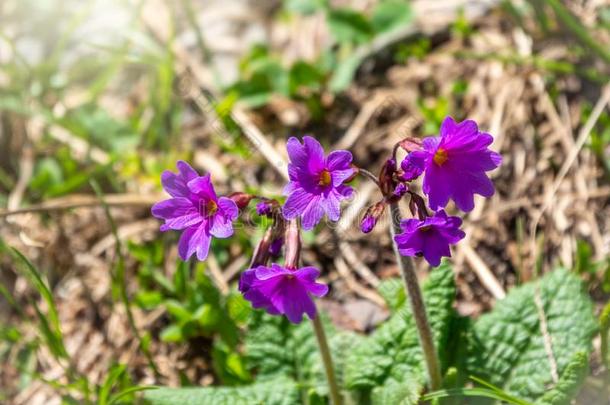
<point>98,97</point>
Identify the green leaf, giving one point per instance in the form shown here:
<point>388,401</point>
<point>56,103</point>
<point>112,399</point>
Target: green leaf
<point>393,292</point>
<point>569,383</point>
<point>280,391</point>
<point>389,15</point>
<point>345,72</point>
<point>390,362</point>
<point>172,333</point>
<point>507,346</point>
<point>276,348</point>
<point>349,26</point>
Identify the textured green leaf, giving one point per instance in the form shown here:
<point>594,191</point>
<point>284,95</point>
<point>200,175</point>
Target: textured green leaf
<point>276,348</point>
<point>569,383</point>
<point>393,292</point>
<point>390,362</point>
<point>507,346</point>
<point>274,392</point>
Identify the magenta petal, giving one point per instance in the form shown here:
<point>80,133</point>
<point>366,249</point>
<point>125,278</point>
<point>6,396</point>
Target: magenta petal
<point>312,214</point>
<point>414,164</point>
<point>194,240</point>
<point>186,171</point>
<point>182,222</point>
<point>339,176</point>
<point>338,160</point>
<point>228,208</point>
<point>220,226</point>
<point>296,203</point>
<point>332,206</point>
<point>315,152</point>
<point>174,184</point>
<point>296,302</point>
<point>265,273</point>
<point>203,187</point>
<point>173,208</point>
<point>296,152</point>
<point>437,185</point>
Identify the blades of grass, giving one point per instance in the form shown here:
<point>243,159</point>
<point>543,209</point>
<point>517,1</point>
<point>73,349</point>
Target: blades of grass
<point>48,323</point>
<point>499,391</point>
<point>119,277</point>
<point>579,30</point>
<point>472,392</point>
<point>111,379</point>
<point>131,390</point>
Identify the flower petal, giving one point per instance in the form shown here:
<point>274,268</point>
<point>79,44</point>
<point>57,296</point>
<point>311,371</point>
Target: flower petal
<point>203,187</point>
<point>339,176</point>
<point>296,302</point>
<point>173,208</point>
<point>338,160</point>
<point>414,164</point>
<point>228,207</point>
<point>220,226</point>
<point>194,240</point>
<point>315,154</point>
<point>312,214</point>
<point>296,152</point>
<point>332,205</point>
<point>296,203</point>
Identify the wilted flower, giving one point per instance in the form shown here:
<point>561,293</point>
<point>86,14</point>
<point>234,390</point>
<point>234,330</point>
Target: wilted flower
<point>454,165</point>
<point>283,291</point>
<point>195,208</point>
<point>429,237</point>
<point>316,182</point>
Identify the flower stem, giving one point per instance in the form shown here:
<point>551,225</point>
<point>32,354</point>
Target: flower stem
<point>405,264</point>
<point>333,388</point>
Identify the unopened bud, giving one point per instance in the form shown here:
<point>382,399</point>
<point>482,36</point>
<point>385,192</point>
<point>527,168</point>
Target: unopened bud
<point>241,199</point>
<point>386,177</point>
<point>410,144</point>
<point>372,215</point>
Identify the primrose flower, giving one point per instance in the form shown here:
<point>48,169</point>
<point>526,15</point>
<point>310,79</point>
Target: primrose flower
<point>454,165</point>
<point>194,208</point>
<point>316,182</point>
<point>430,237</point>
<point>280,290</point>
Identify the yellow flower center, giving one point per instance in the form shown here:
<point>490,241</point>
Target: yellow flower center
<point>210,208</point>
<point>325,178</point>
<point>440,156</point>
<point>425,228</point>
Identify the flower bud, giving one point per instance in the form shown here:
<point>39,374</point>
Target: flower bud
<point>386,177</point>
<point>241,199</point>
<point>372,215</point>
<point>410,144</point>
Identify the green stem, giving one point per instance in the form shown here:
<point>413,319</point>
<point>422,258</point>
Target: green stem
<point>405,264</point>
<point>327,360</point>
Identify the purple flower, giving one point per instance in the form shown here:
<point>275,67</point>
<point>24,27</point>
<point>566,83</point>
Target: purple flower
<point>454,165</point>
<point>430,237</point>
<point>195,208</point>
<point>368,223</point>
<point>263,208</point>
<point>316,182</point>
<point>283,291</point>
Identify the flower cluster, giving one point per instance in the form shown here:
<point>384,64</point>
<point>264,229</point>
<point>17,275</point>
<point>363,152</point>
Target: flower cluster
<point>453,166</point>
